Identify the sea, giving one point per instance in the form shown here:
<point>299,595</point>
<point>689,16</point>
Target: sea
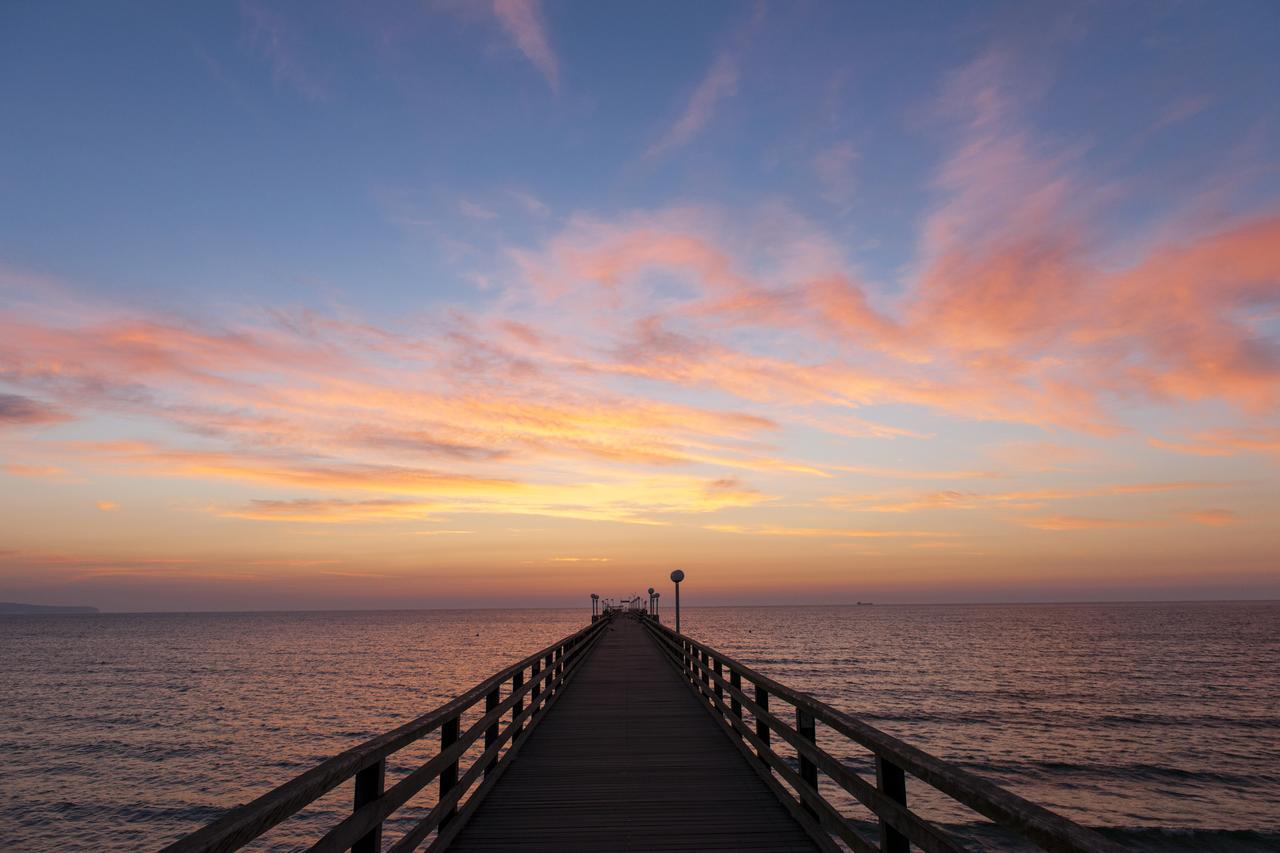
<point>1158,724</point>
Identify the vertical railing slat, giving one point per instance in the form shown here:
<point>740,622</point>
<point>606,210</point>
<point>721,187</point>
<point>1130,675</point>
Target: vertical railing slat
<point>517,681</point>
<point>368,787</point>
<point>719,670</point>
<point>762,728</point>
<point>449,775</point>
<point>492,700</point>
<point>892,782</point>
<point>807,727</point>
<point>735,680</point>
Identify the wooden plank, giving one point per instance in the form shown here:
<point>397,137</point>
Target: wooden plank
<point>630,761</point>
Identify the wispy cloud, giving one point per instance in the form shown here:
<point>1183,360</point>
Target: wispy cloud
<point>523,21</point>
<point>313,511</point>
<point>1213,517</point>
<point>824,532</point>
<point>833,167</point>
<point>1226,441</point>
<point>1024,499</point>
<point>1080,522</point>
<point>278,40</point>
<point>19,470</point>
<point>718,85</point>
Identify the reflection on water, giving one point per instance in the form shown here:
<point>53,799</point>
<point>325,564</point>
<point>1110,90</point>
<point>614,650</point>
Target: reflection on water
<point>1162,721</point>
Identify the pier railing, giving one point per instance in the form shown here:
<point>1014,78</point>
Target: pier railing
<point>531,687</point>
<point>731,688</point>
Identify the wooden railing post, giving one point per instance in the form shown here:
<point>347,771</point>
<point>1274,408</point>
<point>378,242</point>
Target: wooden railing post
<point>762,728</point>
<point>719,688</point>
<point>892,782</point>
<point>537,685</point>
<point>735,680</point>
<point>369,782</point>
<point>517,681</point>
<point>807,727</point>
<point>449,775</point>
<point>492,700</point>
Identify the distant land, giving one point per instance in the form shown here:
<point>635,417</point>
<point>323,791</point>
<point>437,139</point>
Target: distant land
<point>12,608</point>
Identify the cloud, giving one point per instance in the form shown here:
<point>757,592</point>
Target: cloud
<point>719,84</point>
<point>823,532</point>
<point>471,210</point>
<point>313,511</point>
<point>287,470</point>
<point>16,410</point>
<point>833,167</point>
<point>1041,455</point>
<point>1213,517</point>
<point>1226,441</point>
<point>1181,110</point>
<point>18,470</point>
<point>530,202</point>
<point>107,506</point>
<point>1022,499</point>
<point>1079,522</point>
<point>522,20</point>
<point>278,40</point>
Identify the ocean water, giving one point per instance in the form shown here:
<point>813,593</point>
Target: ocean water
<point>1158,723</point>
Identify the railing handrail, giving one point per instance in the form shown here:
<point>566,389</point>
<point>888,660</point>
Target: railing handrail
<point>243,823</point>
<point>1050,830</point>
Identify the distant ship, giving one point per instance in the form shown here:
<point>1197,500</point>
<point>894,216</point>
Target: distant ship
<point>865,603</point>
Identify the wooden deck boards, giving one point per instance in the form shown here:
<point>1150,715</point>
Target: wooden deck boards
<point>628,760</point>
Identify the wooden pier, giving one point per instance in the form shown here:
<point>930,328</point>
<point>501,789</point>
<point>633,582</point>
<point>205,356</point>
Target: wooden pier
<point>628,736</point>
<point>630,761</point>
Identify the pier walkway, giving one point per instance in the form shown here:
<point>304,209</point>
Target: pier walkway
<point>630,760</point>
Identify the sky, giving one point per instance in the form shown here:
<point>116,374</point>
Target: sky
<point>446,303</point>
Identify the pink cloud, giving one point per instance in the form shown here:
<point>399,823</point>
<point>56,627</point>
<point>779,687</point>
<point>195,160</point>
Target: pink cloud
<point>522,20</point>
<point>719,84</point>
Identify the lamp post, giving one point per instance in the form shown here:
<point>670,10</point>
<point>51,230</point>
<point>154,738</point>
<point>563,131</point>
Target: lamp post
<point>595,607</point>
<point>676,577</point>
<point>651,610</point>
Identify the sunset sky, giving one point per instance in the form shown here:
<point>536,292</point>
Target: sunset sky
<point>470,304</point>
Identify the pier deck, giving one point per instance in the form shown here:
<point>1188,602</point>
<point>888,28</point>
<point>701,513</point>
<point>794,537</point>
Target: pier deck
<point>630,760</point>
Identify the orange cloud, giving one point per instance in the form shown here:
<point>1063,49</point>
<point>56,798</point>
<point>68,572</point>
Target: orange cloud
<point>957,499</point>
<point>1227,442</point>
<point>1213,517</point>
<point>823,532</point>
<point>18,470</point>
<point>1079,522</point>
<point>329,511</point>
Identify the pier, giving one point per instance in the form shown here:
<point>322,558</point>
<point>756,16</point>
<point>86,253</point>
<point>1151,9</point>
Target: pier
<point>627,735</point>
